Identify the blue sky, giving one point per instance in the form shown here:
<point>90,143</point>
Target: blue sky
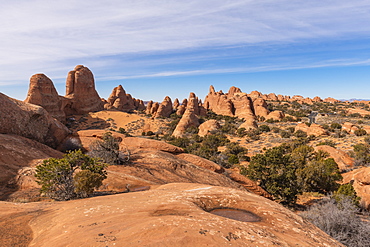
<point>159,48</point>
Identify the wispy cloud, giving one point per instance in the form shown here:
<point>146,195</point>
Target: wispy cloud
<point>48,36</point>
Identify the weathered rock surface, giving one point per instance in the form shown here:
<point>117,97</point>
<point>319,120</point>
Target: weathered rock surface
<point>313,129</point>
<point>169,215</point>
<point>343,160</point>
<point>30,121</point>
<point>42,92</point>
<point>17,156</point>
<point>208,126</point>
<point>80,90</point>
<point>349,127</point>
<point>249,124</point>
<point>361,183</point>
<point>187,120</point>
<point>121,101</point>
<point>201,162</point>
<point>260,107</point>
<point>165,108</point>
<point>276,115</point>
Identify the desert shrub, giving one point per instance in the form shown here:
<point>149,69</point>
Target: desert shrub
<point>270,120</point>
<point>367,140</point>
<point>285,134</point>
<point>241,132</point>
<point>327,142</point>
<point>361,154</point>
<point>347,190</point>
<point>192,130</point>
<point>74,176</point>
<point>339,219</point>
<point>235,153</point>
<point>107,149</point>
<point>300,134</point>
<point>290,129</point>
<point>355,115</point>
<point>360,132</point>
<point>289,169</point>
<point>253,134</point>
<point>264,128</point>
<point>181,142</point>
<point>275,129</point>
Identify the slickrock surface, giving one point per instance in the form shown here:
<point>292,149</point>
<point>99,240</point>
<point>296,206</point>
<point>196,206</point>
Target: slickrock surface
<point>17,156</point>
<point>170,215</point>
<point>43,93</point>
<point>31,121</point>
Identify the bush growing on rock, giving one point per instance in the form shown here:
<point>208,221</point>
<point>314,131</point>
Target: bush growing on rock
<point>74,176</point>
<point>107,149</point>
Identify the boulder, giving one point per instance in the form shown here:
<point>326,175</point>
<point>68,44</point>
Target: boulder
<point>201,162</point>
<point>30,121</point>
<point>42,92</point>
<point>313,129</point>
<point>349,127</point>
<point>208,126</point>
<point>276,115</point>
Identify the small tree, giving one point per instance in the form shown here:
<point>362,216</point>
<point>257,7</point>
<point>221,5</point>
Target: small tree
<point>74,176</point>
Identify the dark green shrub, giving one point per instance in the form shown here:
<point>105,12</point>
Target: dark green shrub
<point>300,134</point>
<point>285,134</point>
<point>327,142</point>
<point>349,192</point>
<point>360,132</point>
<point>264,128</point>
<point>74,176</point>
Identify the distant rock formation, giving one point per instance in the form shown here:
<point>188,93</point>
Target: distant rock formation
<point>189,118</point>
<point>30,121</point>
<point>165,108</point>
<point>121,101</point>
<point>80,90</point>
<point>43,93</point>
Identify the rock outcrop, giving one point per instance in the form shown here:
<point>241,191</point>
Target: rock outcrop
<point>349,127</point>
<point>17,156</point>
<point>121,101</point>
<point>80,90</point>
<point>260,108</point>
<point>343,160</point>
<point>313,129</point>
<point>276,115</point>
<point>360,179</point>
<point>42,92</point>
<point>165,108</point>
<point>30,121</point>
<point>170,215</point>
<point>208,126</point>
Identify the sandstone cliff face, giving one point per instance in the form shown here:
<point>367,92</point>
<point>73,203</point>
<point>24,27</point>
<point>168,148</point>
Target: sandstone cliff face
<point>30,121</point>
<point>42,92</point>
<point>80,90</point>
<point>260,107</point>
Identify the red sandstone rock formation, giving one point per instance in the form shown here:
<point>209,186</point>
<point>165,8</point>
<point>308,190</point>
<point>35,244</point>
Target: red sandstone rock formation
<point>124,102</point>
<point>343,160</point>
<point>181,108</point>
<point>187,120</point>
<point>260,107</point>
<point>43,93</point>
<point>80,90</point>
<point>208,126</point>
<point>219,103</point>
<point>272,97</point>
<point>165,108</point>
<point>176,104</point>
<point>276,115</point>
<point>313,129</point>
<point>349,127</point>
<point>249,124</point>
<point>331,100</point>
<point>361,183</point>
<point>30,121</point>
